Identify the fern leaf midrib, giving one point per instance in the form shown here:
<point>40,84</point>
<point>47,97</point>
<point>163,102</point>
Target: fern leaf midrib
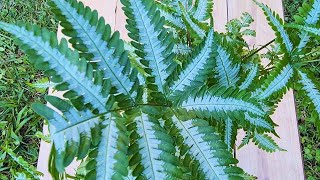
<point>101,54</point>
<point>147,32</point>
<point>76,124</point>
<point>195,142</point>
<point>108,141</point>
<point>146,140</point>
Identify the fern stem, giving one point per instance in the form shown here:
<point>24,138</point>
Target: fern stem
<point>134,106</point>
<point>311,61</point>
<point>258,50</point>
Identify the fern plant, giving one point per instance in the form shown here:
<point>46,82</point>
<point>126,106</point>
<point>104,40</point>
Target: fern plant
<point>168,104</point>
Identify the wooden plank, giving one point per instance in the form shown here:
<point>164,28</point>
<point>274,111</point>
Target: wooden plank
<point>278,165</point>
<point>220,15</point>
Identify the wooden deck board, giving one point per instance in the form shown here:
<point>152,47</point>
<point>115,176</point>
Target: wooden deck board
<point>280,165</point>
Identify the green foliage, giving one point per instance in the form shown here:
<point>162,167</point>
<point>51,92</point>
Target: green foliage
<point>265,142</point>
<point>31,170</point>
<point>149,113</point>
<point>18,123</point>
<point>308,132</point>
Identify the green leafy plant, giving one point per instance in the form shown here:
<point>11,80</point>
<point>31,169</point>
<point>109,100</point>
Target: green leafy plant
<point>169,104</point>
<point>18,122</point>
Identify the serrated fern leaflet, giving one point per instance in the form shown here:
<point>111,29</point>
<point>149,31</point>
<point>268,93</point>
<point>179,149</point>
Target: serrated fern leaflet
<point>229,133</point>
<point>91,37</point>
<point>214,103</point>
<point>170,15</point>
<point>147,31</point>
<point>190,23</point>
<point>265,142</point>
<point>258,122</point>
<point>111,160</point>
<point>312,92</point>
<point>155,148</point>
<point>202,10</point>
<point>227,72</point>
<point>199,136</point>
<point>250,77</point>
<point>311,30</point>
<point>311,19</point>
<point>278,83</point>
<point>70,132</point>
<point>68,71</point>
<point>196,66</point>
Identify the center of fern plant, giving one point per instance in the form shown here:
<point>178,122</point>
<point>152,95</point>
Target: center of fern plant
<point>167,104</point>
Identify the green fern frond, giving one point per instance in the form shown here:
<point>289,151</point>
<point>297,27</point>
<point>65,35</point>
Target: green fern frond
<point>230,133</point>
<point>187,4</point>
<point>308,15</point>
<point>110,157</point>
<point>198,66</point>
<point>215,163</point>
<point>153,44</point>
<point>227,72</point>
<point>277,25</point>
<point>309,86</point>
<point>261,123</point>
<point>171,16</point>
<point>312,13</point>
<point>202,10</point>
<point>217,104</point>
<point>250,77</point>
<point>72,132</point>
<point>265,142</point>
<point>90,35</point>
<point>196,30</point>
<point>277,81</point>
<point>312,30</point>
<point>151,109</point>
<point>152,150</point>
<point>60,63</point>
<point>246,139</point>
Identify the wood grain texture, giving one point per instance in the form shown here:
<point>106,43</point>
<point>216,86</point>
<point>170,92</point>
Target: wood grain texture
<point>280,165</point>
<point>220,14</point>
